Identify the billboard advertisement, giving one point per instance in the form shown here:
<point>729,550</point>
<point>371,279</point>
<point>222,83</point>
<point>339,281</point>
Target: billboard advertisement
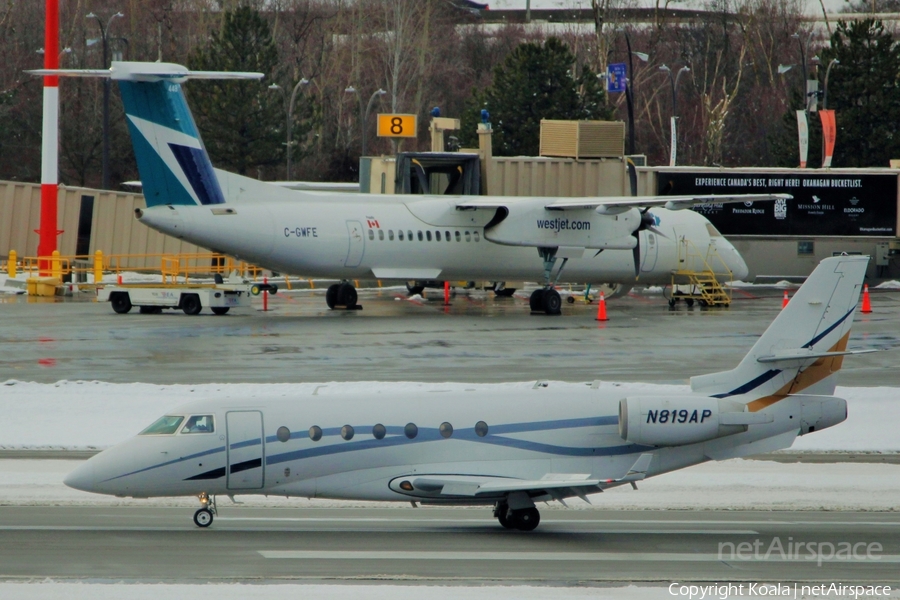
<point>824,204</point>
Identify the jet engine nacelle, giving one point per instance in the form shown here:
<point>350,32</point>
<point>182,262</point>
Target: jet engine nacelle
<point>680,420</point>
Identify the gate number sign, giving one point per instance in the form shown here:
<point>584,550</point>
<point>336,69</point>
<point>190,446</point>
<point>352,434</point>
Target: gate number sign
<point>392,125</point>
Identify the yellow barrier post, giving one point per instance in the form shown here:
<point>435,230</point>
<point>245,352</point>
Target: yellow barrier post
<point>11,265</point>
<point>98,267</point>
<point>55,265</point>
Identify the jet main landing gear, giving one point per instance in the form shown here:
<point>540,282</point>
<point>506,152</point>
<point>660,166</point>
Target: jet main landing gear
<point>342,294</point>
<point>523,519</point>
<point>204,516</point>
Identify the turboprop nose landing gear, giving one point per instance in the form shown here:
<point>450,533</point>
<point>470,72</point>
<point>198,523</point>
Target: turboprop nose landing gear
<point>547,299</point>
<point>204,516</point>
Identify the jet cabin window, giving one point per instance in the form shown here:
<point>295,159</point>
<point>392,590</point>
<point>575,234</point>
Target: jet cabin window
<point>163,426</point>
<point>199,424</point>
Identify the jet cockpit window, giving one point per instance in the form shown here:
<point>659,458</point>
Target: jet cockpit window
<point>163,426</point>
<point>199,424</point>
<point>713,232</point>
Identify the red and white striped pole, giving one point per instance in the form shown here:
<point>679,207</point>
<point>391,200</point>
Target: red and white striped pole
<point>50,140</point>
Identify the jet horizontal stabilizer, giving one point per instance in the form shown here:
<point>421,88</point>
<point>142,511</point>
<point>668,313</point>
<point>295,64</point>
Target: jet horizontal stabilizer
<point>803,354</point>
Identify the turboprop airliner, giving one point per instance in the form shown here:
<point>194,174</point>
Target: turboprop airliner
<point>399,237</point>
<point>501,450</point>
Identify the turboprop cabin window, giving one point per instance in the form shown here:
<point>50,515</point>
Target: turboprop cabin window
<point>199,424</point>
<point>437,236</point>
<point>163,426</point>
<point>476,236</point>
<point>391,235</point>
<point>371,235</point>
<point>381,234</point>
<point>400,234</point>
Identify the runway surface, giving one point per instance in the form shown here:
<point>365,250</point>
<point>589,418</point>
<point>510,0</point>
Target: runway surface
<point>251,544</point>
<point>479,338</point>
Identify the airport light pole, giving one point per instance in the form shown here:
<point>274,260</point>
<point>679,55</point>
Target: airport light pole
<point>674,81</point>
<point>290,121</point>
<point>104,38</point>
<point>376,94</point>
<point>833,62</point>
<point>629,94</point>
<point>364,115</point>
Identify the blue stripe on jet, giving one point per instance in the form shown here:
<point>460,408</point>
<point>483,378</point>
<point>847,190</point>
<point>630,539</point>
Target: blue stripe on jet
<point>396,437</point>
<point>169,462</point>
<point>246,444</point>
<point>750,385</point>
<point>816,339</point>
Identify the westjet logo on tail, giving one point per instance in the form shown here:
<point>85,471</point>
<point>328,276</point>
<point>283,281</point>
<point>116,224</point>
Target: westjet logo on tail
<point>184,157</point>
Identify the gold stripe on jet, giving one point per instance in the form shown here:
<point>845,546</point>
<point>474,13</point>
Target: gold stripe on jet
<point>823,367</point>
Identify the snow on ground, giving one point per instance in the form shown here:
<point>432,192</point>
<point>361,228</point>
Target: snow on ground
<point>94,414</point>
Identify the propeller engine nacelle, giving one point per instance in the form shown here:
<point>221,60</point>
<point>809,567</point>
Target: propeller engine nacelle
<point>680,420</point>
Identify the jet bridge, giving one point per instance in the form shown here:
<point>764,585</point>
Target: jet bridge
<point>444,173</point>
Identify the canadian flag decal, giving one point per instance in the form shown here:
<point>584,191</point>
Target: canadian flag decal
<point>373,224</point>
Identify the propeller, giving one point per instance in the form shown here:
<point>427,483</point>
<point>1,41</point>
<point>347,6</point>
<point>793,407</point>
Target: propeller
<point>648,223</point>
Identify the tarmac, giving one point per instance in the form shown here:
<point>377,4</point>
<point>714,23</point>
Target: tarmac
<point>477,338</point>
<point>446,545</point>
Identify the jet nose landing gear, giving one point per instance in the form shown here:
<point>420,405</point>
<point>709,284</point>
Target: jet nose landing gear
<point>204,515</point>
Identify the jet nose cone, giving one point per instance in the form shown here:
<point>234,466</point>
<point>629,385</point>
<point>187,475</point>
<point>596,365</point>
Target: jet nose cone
<point>82,478</point>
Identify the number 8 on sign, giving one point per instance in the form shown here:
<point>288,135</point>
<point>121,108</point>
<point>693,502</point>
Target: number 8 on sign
<point>393,125</point>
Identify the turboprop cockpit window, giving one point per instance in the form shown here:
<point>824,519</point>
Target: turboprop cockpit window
<point>199,424</point>
<point>163,426</point>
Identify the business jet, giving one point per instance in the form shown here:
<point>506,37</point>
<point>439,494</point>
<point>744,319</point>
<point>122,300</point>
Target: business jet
<point>505,450</point>
<point>398,237</point>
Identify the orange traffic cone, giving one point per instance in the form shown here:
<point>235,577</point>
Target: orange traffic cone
<point>867,305</point>
<point>601,308</point>
<point>785,301</point>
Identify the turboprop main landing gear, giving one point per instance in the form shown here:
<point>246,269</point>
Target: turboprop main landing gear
<point>523,519</point>
<point>204,516</point>
<point>342,295</point>
<point>547,299</point>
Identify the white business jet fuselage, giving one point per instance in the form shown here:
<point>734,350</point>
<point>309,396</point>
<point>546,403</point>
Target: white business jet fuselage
<point>508,449</point>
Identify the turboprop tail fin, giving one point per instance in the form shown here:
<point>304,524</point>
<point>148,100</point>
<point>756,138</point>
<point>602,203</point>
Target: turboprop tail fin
<point>804,346</point>
<point>172,160</point>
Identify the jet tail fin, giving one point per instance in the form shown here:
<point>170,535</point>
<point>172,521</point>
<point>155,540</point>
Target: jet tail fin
<point>803,347</point>
<point>172,160</point>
